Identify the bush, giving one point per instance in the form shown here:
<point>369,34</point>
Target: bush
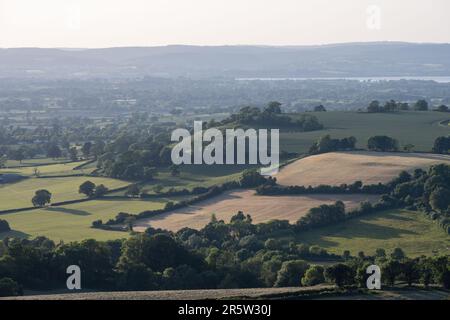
<point>291,273</point>
<point>340,274</point>
<point>4,226</point>
<point>313,276</point>
<point>8,287</point>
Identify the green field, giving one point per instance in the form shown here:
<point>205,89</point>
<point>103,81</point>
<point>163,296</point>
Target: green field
<point>194,176</point>
<point>34,162</point>
<point>19,194</point>
<point>50,170</point>
<point>411,231</point>
<point>73,222</point>
<point>417,128</point>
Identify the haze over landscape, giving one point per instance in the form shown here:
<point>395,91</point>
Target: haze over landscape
<point>354,93</point>
<point>112,23</point>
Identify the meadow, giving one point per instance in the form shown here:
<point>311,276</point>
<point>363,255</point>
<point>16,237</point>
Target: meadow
<point>193,176</point>
<point>412,231</point>
<point>408,127</point>
<point>50,169</point>
<point>73,222</point>
<point>19,194</point>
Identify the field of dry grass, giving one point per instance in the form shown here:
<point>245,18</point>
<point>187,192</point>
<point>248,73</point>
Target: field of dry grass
<point>319,292</point>
<point>347,167</point>
<point>261,208</point>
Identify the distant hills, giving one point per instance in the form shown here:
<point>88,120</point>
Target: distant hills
<point>339,60</point>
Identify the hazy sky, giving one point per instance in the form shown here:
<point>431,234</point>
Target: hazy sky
<point>106,23</point>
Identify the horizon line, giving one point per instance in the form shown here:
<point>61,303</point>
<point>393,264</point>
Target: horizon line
<point>233,45</point>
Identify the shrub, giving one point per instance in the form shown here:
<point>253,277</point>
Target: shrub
<point>4,226</point>
<point>313,276</point>
<point>8,287</point>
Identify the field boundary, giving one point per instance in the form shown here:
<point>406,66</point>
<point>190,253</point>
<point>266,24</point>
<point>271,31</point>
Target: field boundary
<point>61,203</point>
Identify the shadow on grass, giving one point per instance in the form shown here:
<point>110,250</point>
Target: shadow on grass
<point>358,229</point>
<point>69,211</point>
<point>14,234</point>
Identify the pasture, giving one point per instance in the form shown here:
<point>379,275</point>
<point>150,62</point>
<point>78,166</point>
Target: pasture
<point>19,194</point>
<point>408,127</point>
<point>192,176</point>
<point>50,170</point>
<point>411,231</point>
<point>73,222</point>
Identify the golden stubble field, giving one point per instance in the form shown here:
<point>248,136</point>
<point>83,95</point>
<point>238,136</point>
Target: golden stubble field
<point>336,168</point>
<point>330,169</point>
<point>261,208</point>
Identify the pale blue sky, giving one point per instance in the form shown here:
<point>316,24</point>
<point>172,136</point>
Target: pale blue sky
<point>106,23</point>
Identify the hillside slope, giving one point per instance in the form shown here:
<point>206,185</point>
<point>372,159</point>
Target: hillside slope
<point>335,168</point>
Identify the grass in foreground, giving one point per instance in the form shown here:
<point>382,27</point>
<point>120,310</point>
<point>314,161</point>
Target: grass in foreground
<point>411,231</point>
<point>73,222</point>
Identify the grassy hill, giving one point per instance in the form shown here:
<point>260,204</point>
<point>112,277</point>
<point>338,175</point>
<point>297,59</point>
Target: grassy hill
<point>417,128</point>
<point>411,231</point>
<point>335,168</point>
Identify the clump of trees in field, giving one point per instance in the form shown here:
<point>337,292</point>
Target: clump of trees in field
<point>393,106</point>
<point>442,145</point>
<point>442,108</point>
<point>272,116</point>
<point>382,143</point>
<point>328,144</point>
<point>91,190</point>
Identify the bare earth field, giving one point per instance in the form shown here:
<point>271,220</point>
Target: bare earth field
<point>261,208</point>
<point>347,167</point>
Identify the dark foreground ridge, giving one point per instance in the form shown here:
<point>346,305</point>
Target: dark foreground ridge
<point>319,292</point>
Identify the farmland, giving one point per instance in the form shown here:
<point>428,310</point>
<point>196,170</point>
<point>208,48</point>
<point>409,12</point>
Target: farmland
<point>408,127</point>
<point>73,222</point>
<point>49,169</point>
<point>411,231</point>
<point>261,208</point>
<point>18,195</point>
<point>347,167</point>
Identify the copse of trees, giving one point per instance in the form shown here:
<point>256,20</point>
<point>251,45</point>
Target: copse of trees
<point>320,108</point>
<point>272,116</point>
<point>327,144</point>
<point>322,216</point>
<point>394,106</point>
<point>389,106</point>
<point>421,105</point>
<point>382,143</point>
<point>442,108</point>
<point>89,189</point>
<point>442,145</point>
